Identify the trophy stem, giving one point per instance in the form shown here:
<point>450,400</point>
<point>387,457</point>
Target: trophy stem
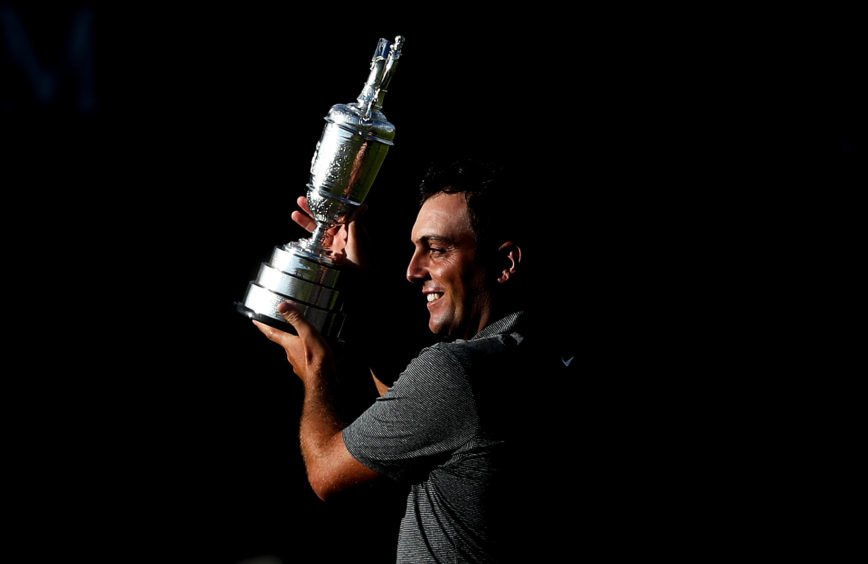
<point>315,244</point>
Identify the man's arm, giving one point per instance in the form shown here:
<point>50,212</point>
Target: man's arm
<point>330,466</point>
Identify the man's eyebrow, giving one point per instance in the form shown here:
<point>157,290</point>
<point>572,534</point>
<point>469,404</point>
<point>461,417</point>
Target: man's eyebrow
<point>434,237</point>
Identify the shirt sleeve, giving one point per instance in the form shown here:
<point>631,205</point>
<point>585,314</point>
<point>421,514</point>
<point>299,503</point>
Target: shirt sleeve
<point>425,416</point>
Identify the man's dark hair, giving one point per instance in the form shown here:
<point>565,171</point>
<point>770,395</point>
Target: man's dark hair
<point>493,199</point>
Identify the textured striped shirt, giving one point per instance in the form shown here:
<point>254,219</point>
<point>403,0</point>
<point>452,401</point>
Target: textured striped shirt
<point>447,426</point>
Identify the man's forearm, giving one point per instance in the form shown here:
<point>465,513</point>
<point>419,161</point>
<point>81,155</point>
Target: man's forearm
<point>319,424</point>
<point>330,466</point>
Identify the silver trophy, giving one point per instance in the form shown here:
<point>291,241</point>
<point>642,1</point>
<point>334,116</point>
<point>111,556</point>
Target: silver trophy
<point>346,161</point>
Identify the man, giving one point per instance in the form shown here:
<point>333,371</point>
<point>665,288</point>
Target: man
<point>452,425</point>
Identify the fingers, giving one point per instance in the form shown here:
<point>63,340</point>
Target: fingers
<point>307,223</point>
<point>292,314</point>
<point>305,220</point>
<point>302,203</point>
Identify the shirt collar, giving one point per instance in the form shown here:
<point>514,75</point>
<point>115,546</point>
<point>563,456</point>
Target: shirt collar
<point>506,324</point>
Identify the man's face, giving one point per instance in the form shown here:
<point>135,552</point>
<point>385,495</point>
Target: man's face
<point>444,264</point>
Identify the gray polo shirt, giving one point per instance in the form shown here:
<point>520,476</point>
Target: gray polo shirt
<point>445,427</point>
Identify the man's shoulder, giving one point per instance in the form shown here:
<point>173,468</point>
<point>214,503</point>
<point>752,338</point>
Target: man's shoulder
<point>496,343</point>
<point>462,349</point>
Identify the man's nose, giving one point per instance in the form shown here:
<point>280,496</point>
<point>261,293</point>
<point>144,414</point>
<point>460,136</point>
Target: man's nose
<point>415,270</point>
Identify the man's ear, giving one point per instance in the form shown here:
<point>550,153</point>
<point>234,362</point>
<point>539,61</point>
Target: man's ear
<point>510,254</point>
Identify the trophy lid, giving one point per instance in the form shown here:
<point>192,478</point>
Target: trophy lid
<point>364,116</point>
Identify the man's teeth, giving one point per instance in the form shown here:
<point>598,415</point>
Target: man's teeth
<point>434,296</point>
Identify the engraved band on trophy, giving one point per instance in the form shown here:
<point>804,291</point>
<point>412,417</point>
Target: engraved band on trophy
<point>346,161</point>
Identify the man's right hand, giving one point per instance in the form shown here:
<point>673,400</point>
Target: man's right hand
<point>347,242</point>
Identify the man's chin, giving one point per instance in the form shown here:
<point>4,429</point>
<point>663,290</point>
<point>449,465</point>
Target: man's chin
<point>436,328</point>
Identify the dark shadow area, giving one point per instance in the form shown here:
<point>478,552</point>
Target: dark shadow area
<point>150,161</point>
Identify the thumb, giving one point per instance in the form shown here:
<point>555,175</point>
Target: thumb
<point>293,315</point>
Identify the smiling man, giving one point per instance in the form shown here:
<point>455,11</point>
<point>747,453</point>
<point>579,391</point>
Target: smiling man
<point>455,425</point>
<point>445,263</point>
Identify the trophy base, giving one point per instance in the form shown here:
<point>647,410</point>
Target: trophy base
<point>262,304</point>
<point>296,275</point>
<point>270,321</point>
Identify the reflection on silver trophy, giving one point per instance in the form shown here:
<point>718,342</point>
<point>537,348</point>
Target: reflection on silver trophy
<point>348,156</point>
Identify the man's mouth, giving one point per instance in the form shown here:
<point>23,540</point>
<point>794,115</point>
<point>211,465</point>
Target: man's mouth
<point>433,296</point>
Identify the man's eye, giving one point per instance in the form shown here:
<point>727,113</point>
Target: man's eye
<point>436,250</point>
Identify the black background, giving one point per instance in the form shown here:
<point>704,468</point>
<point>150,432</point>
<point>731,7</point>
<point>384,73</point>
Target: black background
<point>148,419</point>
